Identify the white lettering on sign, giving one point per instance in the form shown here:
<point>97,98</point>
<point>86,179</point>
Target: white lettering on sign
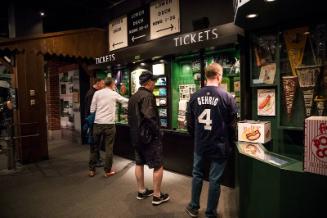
<point>118,33</point>
<point>105,59</point>
<point>164,18</point>
<point>196,37</point>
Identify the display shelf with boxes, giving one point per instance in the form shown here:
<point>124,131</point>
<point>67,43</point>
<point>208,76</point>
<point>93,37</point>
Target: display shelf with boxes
<point>299,87</point>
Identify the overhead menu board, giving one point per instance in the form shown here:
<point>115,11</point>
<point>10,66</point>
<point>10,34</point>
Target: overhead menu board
<point>118,33</point>
<point>138,26</point>
<point>164,18</point>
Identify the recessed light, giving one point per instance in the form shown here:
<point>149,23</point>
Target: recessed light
<point>251,16</point>
<point>270,0</point>
<point>42,13</point>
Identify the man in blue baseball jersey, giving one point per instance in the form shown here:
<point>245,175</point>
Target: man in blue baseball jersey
<point>211,119</point>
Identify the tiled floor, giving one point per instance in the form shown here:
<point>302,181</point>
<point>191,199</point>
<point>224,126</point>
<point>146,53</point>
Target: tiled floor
<point>60,188</point>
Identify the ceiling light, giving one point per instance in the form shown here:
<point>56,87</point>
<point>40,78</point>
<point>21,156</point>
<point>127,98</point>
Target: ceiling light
<point>306,33</point>
<point>270,0</point>
<point>42,13</point>
<point>251,16</point>
<point>142,64</point>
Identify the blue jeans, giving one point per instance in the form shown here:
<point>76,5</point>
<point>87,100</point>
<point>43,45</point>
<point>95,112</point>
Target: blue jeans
<point>216,170</point>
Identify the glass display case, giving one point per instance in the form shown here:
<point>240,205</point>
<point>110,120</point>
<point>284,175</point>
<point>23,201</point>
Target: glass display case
<point>289,67</point>
<point>259,152</point>
<point>161,90</point>
<point>229,59</point>
<point>185,80</point>
<point>187,77</point>
<point>122,79</point>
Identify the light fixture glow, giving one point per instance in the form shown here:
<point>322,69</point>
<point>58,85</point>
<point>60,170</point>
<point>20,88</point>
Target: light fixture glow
<point>251,16</point>
<point>142,64</point>
<point>270,0</point>
<point>42,14</point>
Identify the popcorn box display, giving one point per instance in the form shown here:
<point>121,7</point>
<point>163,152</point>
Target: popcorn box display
<point>315,151</point>
<point>254,131</point>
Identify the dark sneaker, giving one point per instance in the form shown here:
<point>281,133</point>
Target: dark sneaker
<point>159,200</point>
<point>191,212</point>
<point>145,194</point>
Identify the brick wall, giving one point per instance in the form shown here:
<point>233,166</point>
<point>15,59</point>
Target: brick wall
<point>53,97</point>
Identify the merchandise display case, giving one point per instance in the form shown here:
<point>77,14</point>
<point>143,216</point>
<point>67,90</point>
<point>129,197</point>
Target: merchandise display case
<point>185,80</point>
<point>188,77</point>
<point>229,59</point>
<point>161,90</point>
<point>259,152</point>
<point>288,80</point>
<point>122,79</point>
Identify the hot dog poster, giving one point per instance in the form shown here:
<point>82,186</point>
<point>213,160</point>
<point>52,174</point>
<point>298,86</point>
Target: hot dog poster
<point>315,150</point>
<point>266,102</point>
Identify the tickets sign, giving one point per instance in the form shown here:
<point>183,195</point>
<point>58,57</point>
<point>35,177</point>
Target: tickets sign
<point>118,33</point>
<point>164,18</point>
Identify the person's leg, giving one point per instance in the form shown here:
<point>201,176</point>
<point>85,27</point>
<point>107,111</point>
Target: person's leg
<point>139,175</point>
<point>94,148</point>
<point>216,170</point>
<point>109,139</point>
<point>197,181</point>
<point>157,179</point>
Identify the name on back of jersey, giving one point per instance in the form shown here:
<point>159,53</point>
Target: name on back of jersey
<point>210,100</point>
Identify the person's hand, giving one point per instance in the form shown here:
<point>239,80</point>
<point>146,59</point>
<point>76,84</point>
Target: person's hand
<point>9,105</point>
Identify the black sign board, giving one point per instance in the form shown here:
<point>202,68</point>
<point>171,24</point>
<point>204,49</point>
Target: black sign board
<point>138,23</point>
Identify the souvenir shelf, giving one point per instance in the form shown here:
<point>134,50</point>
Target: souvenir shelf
<point>300,82</point>
<point>263,64</point>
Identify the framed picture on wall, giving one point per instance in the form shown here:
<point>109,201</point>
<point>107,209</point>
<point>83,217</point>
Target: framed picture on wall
<point>266,102</point>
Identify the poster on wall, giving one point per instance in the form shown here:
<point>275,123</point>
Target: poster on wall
<point>266,102</point>
<point>138,23</point>
<point>118,33</point>
<point>164,18</point>
<point>267,73</point>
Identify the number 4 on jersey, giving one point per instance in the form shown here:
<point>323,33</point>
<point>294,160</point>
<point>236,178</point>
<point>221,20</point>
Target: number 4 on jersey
<point>204,118</point>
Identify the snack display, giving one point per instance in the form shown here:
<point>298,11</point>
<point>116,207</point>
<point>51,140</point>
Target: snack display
<point>254,131</point>
<point>315,150</point>
<point>252,149</point>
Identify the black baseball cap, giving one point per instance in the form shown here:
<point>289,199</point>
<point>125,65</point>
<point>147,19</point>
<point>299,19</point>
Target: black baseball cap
<point>146,76</point>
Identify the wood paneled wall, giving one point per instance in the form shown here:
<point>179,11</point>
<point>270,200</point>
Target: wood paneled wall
<point>32,118</point>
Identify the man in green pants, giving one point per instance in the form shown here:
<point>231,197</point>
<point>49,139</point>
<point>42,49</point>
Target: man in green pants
<point>104,106</point>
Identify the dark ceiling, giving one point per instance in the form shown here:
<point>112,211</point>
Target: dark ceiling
<point>65,14</point>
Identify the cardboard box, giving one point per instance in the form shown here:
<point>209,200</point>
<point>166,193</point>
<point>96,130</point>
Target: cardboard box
<point>315,150</point>
<point>254,131</point>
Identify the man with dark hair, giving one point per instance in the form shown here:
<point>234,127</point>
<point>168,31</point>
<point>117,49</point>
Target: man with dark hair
<point>104,106</point>
<point>211,119</point>
<point>98,84</point>
<point>143,120</point>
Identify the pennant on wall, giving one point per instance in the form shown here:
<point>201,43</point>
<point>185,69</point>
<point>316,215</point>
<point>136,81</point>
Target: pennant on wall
<point>295,40</point>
